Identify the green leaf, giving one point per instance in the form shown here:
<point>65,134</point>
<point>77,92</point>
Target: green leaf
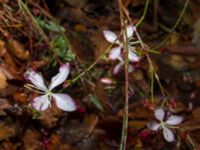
<point>95,101</point>
<point>62,49</point>
<point>50,25</point>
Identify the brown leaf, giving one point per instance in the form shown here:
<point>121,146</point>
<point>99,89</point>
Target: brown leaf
<point>3,83</point>
<point>7,130</point>
<point>31,140</point>
<point>55,143</point>
<point>9,90</point>
<point>3,105</point>
<point>49,117</point>
<point>196,113</point>
<point>16,49</point>
<point>135,126</point>
<point>137,113</point>
<point>21,98</point>
<point>7,145</point>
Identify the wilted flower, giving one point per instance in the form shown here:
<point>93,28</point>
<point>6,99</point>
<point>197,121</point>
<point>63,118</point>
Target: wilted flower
<point>116,52</point>
<point>165,125</point>
<point>41,103</point>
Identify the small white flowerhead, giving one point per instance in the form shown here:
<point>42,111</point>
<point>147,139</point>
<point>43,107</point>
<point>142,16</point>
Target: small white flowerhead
<point>164,125</point>
<point>116,52</point>
<point>41,103</point>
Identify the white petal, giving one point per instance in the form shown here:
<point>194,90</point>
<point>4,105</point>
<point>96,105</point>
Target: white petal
<point>60,77</point>
<point>41,103</point>
<point>168,134</point>
<point>129,30</point>
<point>64,102</point>
<point>117,68</point>
<point>132,56</point>
<point>130,68</point>
<point>36,79</point>
<point>154,126</point>
<point>110,36</point>
<point>159,114</point>
<point>174,120</point>
<point>115,53</point>
<point>106,80</point>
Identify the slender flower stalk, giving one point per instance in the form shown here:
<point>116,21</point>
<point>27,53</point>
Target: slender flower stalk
<point>41,103</point>
<point>165,125</point>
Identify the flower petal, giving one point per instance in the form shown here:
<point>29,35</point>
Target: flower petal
<point>129,30</point>
<point>115,53</point>
<point>117,68</point>
<point>60,77</point>
<point>106,80</point>
<point>64,102</point>
<point>132,56</point>
<point>168,134</point>
<point>41,103</point>
<point>154,126</point>
<point>174,120</point>
<point>110,36</point>
<point>159,114</point>
<point>36,79</point>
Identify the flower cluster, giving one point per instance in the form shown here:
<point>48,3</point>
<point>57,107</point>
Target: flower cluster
<point>116,52</point>
<point>41,103</point>
<point>165,125</point>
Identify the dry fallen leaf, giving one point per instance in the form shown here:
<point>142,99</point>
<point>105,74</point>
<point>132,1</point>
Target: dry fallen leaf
<point>7,130</point>
<point>55,143</point>
<point>31,140</point>
<point>21,98</point>
<point>17,49</point>
<point>3,82</point>
<point>49,118</point>
<point>135,126</point>
<point>196,113</point>
<point>7,145</point>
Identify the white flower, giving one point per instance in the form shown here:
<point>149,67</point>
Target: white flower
<point>165,125</point>
<point>116,52</point>
<point>41,103</point>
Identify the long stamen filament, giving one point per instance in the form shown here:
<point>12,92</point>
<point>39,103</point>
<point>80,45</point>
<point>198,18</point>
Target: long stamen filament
<point>33,88</point>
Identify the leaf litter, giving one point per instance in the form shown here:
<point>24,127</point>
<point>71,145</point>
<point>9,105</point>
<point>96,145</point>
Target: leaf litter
<point>42,35</point>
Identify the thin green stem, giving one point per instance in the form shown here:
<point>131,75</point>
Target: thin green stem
<point>24,8</point>
<point>126,60</point>
<point>144,14</point>
<point>91,66</point>
<point>175,25</point>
